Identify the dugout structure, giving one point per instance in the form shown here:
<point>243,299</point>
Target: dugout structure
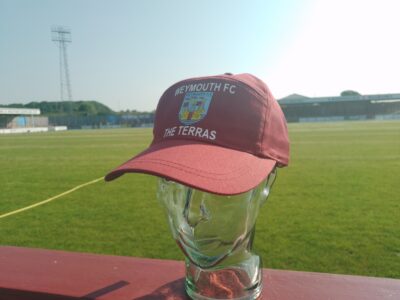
<point>16,120</point>
<point>298,108</point>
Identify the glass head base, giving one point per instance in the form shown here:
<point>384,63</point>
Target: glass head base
<point>239,282</point>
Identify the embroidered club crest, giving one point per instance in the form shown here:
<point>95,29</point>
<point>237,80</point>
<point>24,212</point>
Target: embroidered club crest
<point>194,107</point>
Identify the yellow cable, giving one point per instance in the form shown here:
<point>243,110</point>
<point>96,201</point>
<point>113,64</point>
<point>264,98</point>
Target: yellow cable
<point>50,199</point>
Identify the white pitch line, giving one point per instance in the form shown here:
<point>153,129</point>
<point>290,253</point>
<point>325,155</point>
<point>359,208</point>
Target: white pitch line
<point>50,199</point>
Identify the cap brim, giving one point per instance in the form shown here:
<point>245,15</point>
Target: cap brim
<point>206,167</point>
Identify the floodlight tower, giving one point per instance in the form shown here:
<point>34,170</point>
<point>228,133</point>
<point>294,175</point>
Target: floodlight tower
<point>62,36</point>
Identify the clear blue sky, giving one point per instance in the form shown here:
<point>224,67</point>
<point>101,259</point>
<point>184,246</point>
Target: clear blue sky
<point>126,53</point>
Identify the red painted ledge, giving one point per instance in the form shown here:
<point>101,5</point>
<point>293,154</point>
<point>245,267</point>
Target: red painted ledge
<point>27,274</point>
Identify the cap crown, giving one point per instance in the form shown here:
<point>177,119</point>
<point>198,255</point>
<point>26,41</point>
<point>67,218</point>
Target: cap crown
<point>231,111</point>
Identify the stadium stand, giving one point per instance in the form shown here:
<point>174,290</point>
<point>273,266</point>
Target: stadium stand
<point>21,120</point>
<point>298,108</point>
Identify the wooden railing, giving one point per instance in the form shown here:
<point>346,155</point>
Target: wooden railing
<point>39,274</point>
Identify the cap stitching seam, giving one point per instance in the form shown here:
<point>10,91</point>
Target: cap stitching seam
<point>264,126</point>
<point>261,138</point>
<point>192,171</point>
<point>222,144</point>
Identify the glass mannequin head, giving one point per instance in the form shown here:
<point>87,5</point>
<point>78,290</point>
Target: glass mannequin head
<point>213,231</point>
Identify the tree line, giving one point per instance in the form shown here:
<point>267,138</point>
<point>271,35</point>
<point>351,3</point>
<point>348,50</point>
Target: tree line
<point>85,108</point>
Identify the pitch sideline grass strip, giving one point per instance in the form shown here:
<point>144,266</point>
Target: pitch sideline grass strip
<point>50,199</point>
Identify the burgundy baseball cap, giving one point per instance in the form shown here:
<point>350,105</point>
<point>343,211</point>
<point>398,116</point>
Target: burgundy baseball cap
<point>221,134</point>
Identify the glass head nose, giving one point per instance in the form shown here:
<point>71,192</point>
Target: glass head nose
<point>195,210</point>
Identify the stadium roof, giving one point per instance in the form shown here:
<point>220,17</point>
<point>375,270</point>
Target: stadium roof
<point>300,99</point>
<point>19,111</point>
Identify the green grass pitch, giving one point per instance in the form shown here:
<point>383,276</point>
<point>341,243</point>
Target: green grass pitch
<point>335,209</point>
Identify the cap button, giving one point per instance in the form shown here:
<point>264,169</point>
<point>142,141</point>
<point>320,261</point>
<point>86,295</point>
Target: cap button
<point>228,73</point>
